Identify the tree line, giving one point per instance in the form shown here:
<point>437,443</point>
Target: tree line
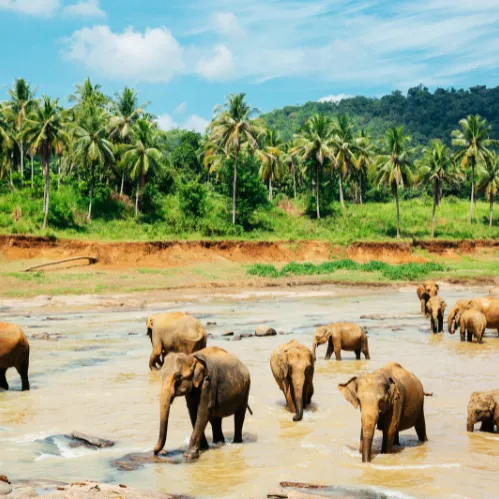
<point>113,146</point>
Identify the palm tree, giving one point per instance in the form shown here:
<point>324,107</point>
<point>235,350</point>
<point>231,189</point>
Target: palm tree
<point>91,145</point>
<point>472,142</point>
<point>270,157</point>
<point>230,128</point>
<point>314,144</point>
<point>290,158</point>
<point>21,104</point>
<point>7,140</point>
<point>436,167</point>
<point>393,166</point>
<point>45,128</point>
<point>363,157</point>
<point>88,95</point>
<point>489,181</point>
<point>142,154</point>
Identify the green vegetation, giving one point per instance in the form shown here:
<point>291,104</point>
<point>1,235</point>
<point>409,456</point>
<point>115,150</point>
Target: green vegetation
<point>102,169</point>
<point>402,272</point>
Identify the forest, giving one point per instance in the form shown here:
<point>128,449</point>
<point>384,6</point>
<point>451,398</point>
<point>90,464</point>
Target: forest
<point>421,165</point>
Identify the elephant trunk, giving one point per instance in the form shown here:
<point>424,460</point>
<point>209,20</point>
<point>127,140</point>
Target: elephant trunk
<point>470,427</point>
<point>298,380</point>
<point>368,427</point>
<point>366,449</point>
<point>314,349</point>
<point>451,323</point>
<point>166,400</point>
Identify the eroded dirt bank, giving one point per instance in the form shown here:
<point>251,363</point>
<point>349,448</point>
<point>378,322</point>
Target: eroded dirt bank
<point>179,253</point>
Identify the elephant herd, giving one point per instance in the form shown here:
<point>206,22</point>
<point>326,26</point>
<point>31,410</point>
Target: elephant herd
<point>216,384</point>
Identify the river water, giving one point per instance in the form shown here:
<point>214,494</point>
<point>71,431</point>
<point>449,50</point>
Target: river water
<point>96,380</point>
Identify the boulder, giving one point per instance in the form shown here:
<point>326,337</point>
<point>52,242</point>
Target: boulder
<point>100,443</point>
<point>265,331</point>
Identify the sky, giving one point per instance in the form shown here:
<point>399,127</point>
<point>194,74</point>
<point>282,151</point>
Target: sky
<point>186,56</point>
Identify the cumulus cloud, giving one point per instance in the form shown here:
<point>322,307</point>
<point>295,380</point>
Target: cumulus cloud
<point>218,66</point>
<point>194,122</point>
<point>31,7</point>
<point>166,122</point>
<point>88,8</point>
<point>334,98</point>
<point>154,56</point>
<point>227,24</point>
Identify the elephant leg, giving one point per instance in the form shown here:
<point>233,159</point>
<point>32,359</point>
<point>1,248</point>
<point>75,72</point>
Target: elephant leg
<point>384,444</point>
<point>396,440</point>
<point>218,436</point>
<point>23,369</point>
<point>361,445</point>
<point>470,336</point>
<point>357,354</point>
<point>202,418</point>
<point>330,349</point>
<point>441,323</point>
<point>337,349</point>
<point>192,406</point>
<point>3,379</point>
<point>239,422</point>
<point>420,428</point>
<point>487,425</point>
<point>423,307</point>
<point>288,395</point>
<point>433,326</point>
<point>463,335</point>
<point>365,349</point>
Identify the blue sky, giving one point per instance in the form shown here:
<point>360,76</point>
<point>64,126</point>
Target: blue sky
<point>186,55</point>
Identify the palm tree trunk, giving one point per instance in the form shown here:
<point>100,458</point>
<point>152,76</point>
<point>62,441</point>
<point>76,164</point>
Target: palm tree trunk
<point>472,189</point>
<point>360,186</point>
<point>270,187</point>
<point>234,187</point>
<point>10,175</point>
<point>317,190</point>
<point>47,193</point>
<point>294,184</point>
<point>340,184</point>
<point>22,162</point>
<point>59,174</point>
<point>122,183</point>
<point>137,198</point>
<point>491,214</point>
<point>435,202</point>
<point>32,171</point>
<point>396,193</point>
<point>89,216</point>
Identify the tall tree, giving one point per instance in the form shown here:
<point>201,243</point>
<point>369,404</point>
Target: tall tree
<point>45,128</point>
<point>231,127</point>
<point>363,158</point>
<point>314,143</point>
<point>88,95</point>
<point>393,167</point>
<point>270,158</point>
<point>291,158</point>
<point>92,146</point>
<point>488,182</point>
<point>142,154</point>
<point>472,141</point>
<point>436,167</point>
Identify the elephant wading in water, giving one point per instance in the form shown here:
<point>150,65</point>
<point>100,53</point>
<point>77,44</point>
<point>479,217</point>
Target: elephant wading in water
<point>292,365</point>
<point>215,385</point>
<point>473,323</point>
<point>390,398</point>
<point>14,352</point>
<point>426,291</point>
<point>173,332</point>
<point>488,306</point>
<point>341,336</point>
<point>483,407</point>
<point>436,307</point>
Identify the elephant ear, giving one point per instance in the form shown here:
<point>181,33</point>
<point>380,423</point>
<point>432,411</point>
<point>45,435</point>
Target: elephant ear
<point>444,306</point>
<point>349,391</point>
<point>394,391</point>
<point>437,287</point>
<point>200,370</point>
<point>491,404</point>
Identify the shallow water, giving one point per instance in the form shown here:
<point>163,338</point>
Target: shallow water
<point>96,380</point>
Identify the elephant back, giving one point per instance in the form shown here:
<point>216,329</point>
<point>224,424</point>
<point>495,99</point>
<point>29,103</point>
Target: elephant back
<point>179,324</point>
<point>12,342</point>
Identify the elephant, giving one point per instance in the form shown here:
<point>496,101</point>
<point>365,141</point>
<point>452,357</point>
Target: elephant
<point>341,336</point>
<point>426,291</point>
<point>14,352</point>
<point>390,398</point>
<point>215,384</point>
<point>488,306</point>
<point>494,292</point>
<point>292,365</point>
<point>473,323</point>
<point>436,307</point>
<point>483,407</point>
<point>173,332</point>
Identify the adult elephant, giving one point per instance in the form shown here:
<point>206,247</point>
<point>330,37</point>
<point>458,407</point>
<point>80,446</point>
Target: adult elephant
<point>215,385</point>
<point>488,306</point>
<point>391,399</point>
<point>292,365</point>
<point>436,307</point>
<point>341,336</point>
<point>173,332</point>
<point>426,291</point>
<point>472,323</point>
<point>483,407</point>
<point>14,352</point>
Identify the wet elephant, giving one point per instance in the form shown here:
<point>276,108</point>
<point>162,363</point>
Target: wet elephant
<point>391,399</point>
<point>483,407</point>
<point>494,292</point>
<point>472,323</point>
<point>292,365</point>
<point>215,385</point>
<point>436,307</point>
<point>14,352</point>
<point>487,305</point>
<point>341,336</point>
<point>173,332</point>
<point>426,291</point>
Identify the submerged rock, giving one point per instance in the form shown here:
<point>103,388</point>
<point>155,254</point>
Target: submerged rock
<point>137,460</point>
<point>47,337</point>
<point>100,443</point>
<point>265,331</point>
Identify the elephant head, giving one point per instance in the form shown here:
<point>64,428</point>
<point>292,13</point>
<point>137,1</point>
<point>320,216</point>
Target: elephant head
<point>376,394</point>
<point>436,308</point>
<point>432,288</point>
<point>180,375</point>
<point>321,336</point>
<point>481,407</point>
<point>149,326</point>
<point>455,314</point>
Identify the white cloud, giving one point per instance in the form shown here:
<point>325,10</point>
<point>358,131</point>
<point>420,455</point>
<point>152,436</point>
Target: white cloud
<point>166,122</point>
<point>85,8</point>
<point>195,123</point>
<point>43,8</point>
<point>181,108</point>
<point>218,66</point>
<point>334,98</point>
<point>227,24</point>
<point>153,56</point>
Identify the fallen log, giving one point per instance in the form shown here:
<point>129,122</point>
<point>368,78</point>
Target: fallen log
<point>91,260</point>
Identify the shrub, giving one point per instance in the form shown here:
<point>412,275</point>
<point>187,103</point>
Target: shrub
<point>192,198</point>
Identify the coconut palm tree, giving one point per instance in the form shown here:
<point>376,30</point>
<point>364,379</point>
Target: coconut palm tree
<point>291,158</point>
<point>436,167</point>
<point>270,156</point>
<point>7,141</point>
<point>363,158</point>
<point>472,142</point>
<point>142,154</point>
<point>230,128</point>
<point>393,167</point>
<point>314,144</point>
<point>45,129</point>
<point>488,182</point>
<point>91,144</point>
<point>21,104</point>
<point>88,95</point>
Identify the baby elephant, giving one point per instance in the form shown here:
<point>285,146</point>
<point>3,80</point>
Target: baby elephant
<point>436,307</point>
<point>472,322</point>
<point>483,407</point>
<point>14,352</point>
<point>426,291</point>
<point>341,336</point>
<point>292,365</point>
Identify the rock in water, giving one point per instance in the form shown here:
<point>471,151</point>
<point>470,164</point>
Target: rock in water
<point>101,443</point>
<point>265,331</point>
<point>5,488</point>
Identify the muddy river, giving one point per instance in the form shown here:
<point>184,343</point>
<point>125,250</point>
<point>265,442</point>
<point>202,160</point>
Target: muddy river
<point>95,379</point>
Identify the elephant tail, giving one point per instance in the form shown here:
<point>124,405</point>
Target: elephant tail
<point>428,394</point>
<point>249,409</point>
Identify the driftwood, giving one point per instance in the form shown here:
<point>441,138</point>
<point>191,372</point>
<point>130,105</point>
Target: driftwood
<point>91,261</point>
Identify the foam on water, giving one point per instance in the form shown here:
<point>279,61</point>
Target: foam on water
<point>399,467</point>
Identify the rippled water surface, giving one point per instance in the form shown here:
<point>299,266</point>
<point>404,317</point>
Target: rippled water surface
<point>96,380</point>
